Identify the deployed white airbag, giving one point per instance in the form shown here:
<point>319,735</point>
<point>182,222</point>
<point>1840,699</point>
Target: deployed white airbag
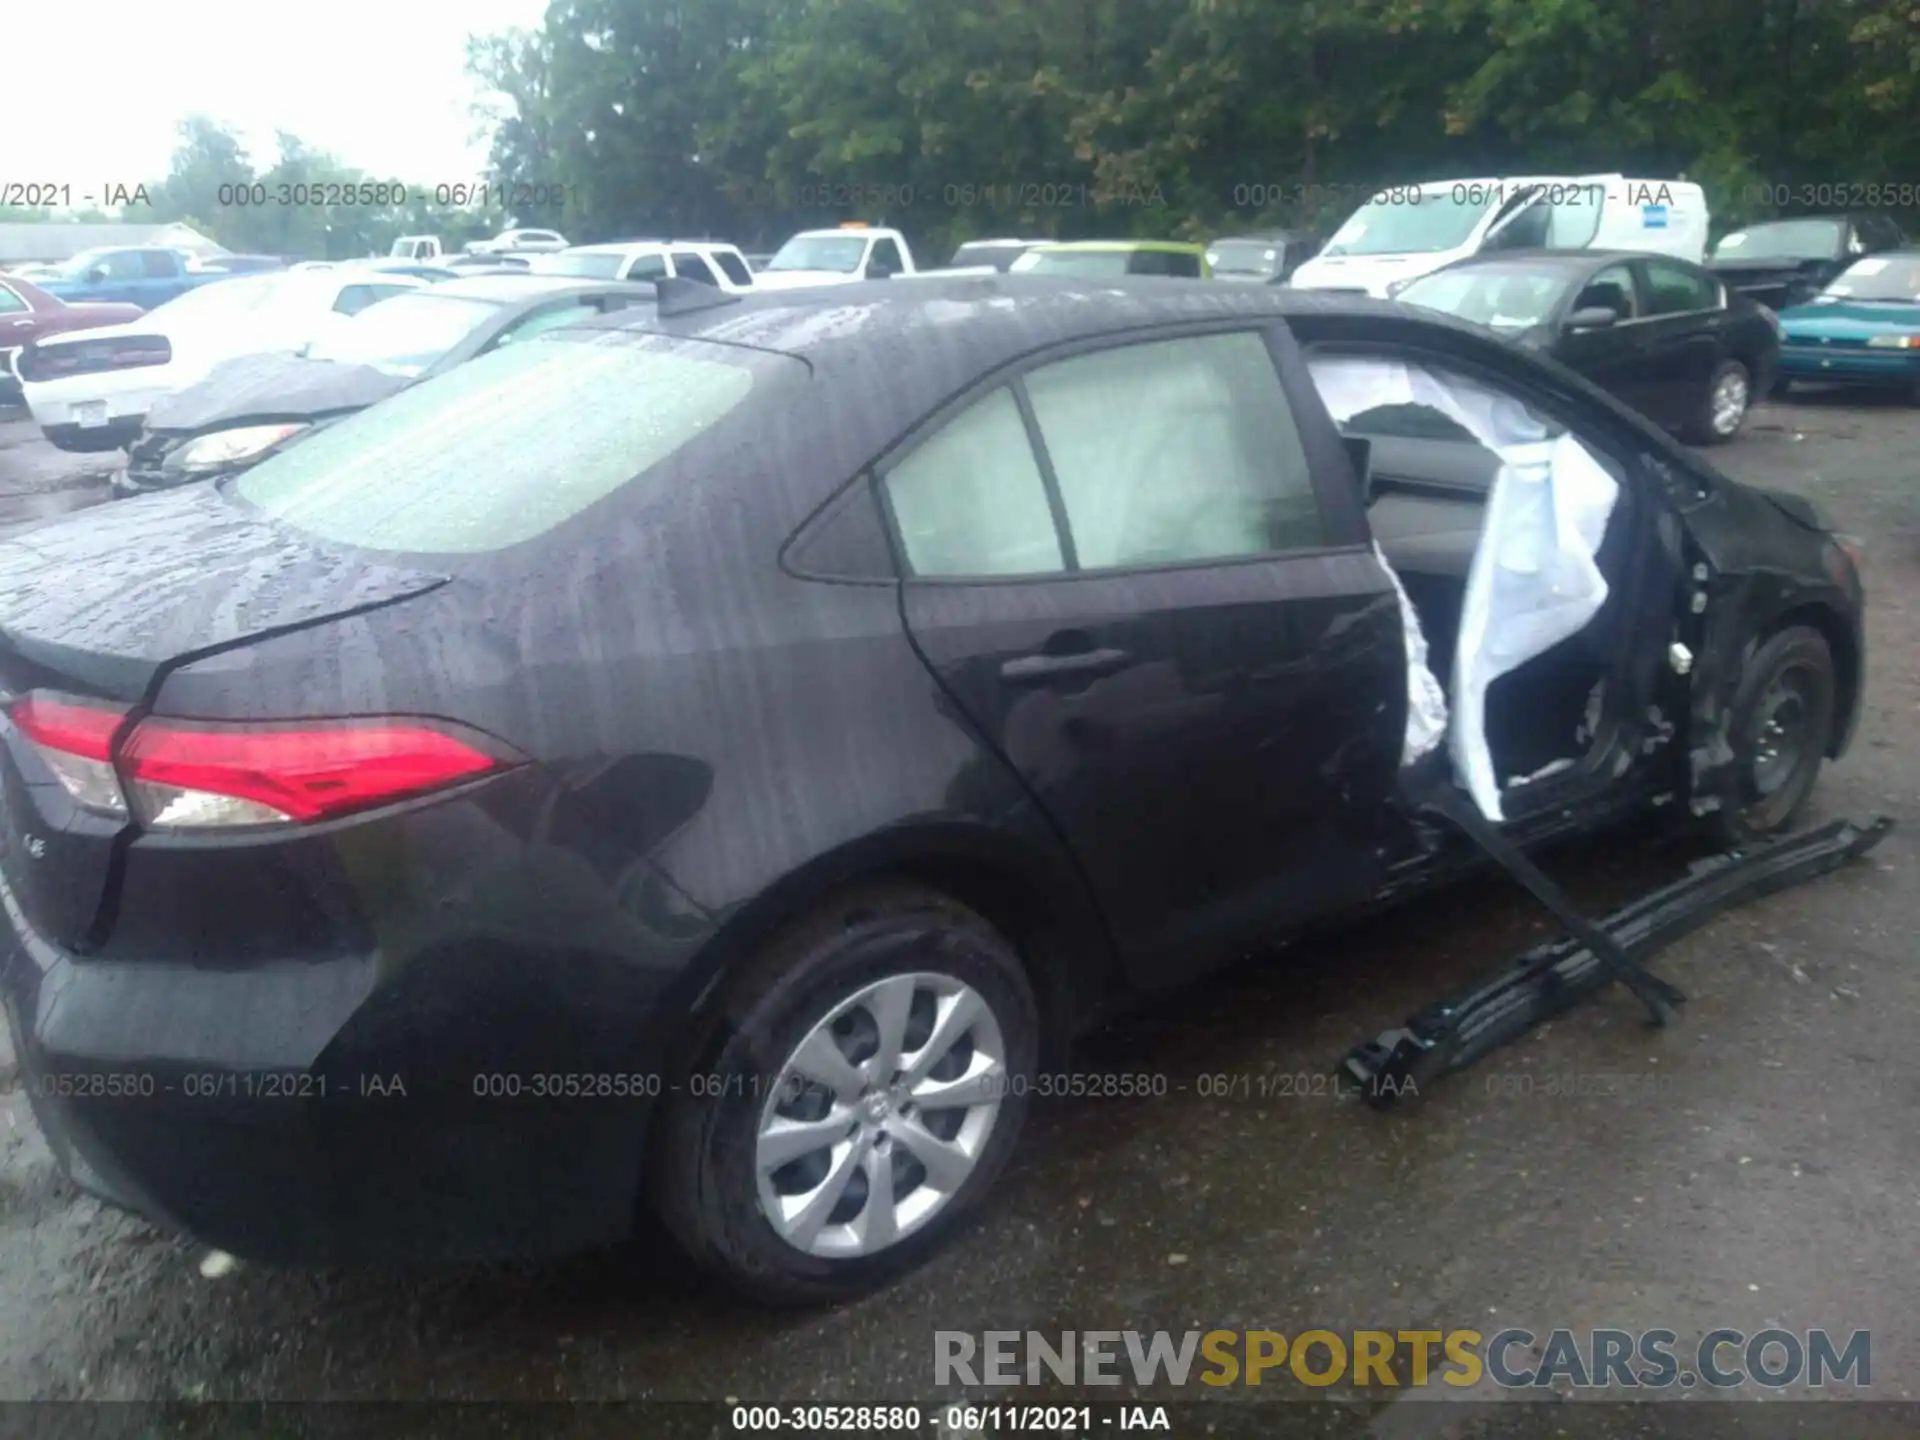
<point>1533,581</point>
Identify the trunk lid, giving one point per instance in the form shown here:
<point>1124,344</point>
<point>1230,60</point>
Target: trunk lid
<point>98,608</point>
<point>112,596</point>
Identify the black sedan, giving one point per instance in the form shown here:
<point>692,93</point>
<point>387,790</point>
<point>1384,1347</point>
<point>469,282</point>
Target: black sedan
<point>714,757</point>
<point>251,406</point>
<point>1780,263</point>
<point>1663,335</point>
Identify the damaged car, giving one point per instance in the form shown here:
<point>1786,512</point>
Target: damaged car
<point>250,406</point>
<point>709,760</point>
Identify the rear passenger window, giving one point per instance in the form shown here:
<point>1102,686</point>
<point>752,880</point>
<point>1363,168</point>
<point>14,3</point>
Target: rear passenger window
<point>1675,290</point>
<point>1176,451</point>
<point>971,501</point>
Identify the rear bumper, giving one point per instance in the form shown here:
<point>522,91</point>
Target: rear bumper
<point>301,1113</point>
<point>88,439</point>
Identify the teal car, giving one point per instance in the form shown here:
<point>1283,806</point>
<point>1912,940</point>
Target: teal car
<point>1863,329</point>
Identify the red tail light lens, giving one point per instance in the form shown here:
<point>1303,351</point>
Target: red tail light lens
<point>76,741</point>
<point>204,775</point>
<point>187,775</point>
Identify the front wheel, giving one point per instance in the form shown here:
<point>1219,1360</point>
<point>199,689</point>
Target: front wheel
<point>867,1090</point>
<point>1780,726</point>
<point>1723,406</point>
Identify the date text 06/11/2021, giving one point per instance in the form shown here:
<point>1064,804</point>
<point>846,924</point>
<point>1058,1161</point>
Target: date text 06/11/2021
<point>959,1421</point>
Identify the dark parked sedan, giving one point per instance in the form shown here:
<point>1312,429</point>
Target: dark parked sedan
<point>714,757</point>
<point>1663,335</point>
<point>251,406</point>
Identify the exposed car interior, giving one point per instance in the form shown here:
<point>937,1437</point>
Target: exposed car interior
<point>1546,652</point>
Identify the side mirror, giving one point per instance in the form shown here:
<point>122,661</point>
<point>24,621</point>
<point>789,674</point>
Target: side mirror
<point>879,270</point>
<point>96,274</point>
<point>1594,317</point>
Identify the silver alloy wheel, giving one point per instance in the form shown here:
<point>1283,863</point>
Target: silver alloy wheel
<point>879,1115</point>
<point>1729,402</point>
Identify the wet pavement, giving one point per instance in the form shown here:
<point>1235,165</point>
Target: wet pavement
<point>1757,1166</point>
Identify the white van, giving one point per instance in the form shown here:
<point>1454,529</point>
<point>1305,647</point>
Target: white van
<point>1405,232</point>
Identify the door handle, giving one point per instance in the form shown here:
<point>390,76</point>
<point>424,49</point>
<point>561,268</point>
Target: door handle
<point>1037,669</point>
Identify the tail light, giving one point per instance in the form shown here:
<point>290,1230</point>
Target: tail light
<point>209,775</point>
<point>57,360</point>
<point>76,741</point>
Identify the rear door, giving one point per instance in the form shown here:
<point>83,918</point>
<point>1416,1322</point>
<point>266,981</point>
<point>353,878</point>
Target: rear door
<point>1681,309</point>
<point>1157,601</point>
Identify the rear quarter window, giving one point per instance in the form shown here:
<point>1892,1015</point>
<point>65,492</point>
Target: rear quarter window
<point>502,449</point>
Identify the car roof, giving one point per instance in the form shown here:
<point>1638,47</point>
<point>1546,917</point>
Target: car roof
<point>505,289</point>
<point>1047,310</point>
<point>1563,260</point>
<point>1179,247</point>
<point>622,247</point>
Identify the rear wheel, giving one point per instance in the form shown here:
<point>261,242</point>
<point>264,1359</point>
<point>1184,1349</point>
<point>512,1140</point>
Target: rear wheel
<point>1780,726</point>
<point>1723,406</point>
<point>865,1093</point>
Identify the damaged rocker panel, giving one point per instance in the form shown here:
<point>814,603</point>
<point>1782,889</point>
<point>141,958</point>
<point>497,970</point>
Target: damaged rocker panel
<point>1551,977</point>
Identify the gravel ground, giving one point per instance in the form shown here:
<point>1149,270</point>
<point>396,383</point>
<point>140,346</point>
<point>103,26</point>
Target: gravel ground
<point>1763,1172</point>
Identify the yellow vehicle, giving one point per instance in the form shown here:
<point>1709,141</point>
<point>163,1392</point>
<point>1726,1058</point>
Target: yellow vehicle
<point>1117,257</point>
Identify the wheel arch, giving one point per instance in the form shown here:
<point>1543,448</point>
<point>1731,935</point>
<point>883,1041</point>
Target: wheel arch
<point>1753,613</point>
<point>1848,662</point>
<point>1032,894</point>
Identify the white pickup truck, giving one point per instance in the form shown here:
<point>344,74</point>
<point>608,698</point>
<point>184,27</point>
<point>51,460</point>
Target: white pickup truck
<point>838,256</point>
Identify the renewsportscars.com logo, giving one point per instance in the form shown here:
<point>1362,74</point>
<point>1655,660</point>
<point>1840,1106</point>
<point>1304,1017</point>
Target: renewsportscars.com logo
<point>1510,1359</point>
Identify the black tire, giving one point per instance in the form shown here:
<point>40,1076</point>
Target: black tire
<point>704,1184</point>
<point>1791,668</point>
<point>1704,426</point>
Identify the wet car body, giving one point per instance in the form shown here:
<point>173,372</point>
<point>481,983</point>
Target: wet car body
<point>299,392</point>
<point>704,711</point>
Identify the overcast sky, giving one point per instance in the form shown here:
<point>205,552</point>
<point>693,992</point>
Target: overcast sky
<point>379,83</point>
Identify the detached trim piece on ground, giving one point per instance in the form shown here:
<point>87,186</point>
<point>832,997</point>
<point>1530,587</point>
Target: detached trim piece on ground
<point>1551,977</point>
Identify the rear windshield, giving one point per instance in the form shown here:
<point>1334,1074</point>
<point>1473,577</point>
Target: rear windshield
<point>405,334</point>
<point>1783,240</point>
<point>1245,257</point>
<point>582,264</point>
<point>1074,262</point>
<point>978,253</point>
<point>501,449</point>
